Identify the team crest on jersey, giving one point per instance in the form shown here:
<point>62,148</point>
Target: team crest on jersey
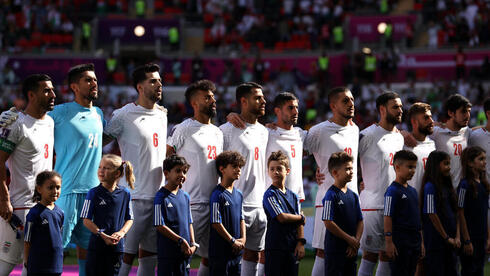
<point>6,247</point>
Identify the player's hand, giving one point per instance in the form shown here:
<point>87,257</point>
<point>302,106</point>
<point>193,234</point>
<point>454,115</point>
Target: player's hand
<point>6,210</point>
<point>185,248</point>
<point>299,251</point>
<point>236,120</point>
<point>8,117</point>
<point>271,125</point>
<point>391,251</point>
<point>410,141</point>
<point>117,236</point>
<point>351,252</point>
<point>353,242</point>
<point>193,249</point>
<point>109,240</point>
<point>457,243</point>
<point>468,249</point>
<point>320,177</point>
<point>237,246</point>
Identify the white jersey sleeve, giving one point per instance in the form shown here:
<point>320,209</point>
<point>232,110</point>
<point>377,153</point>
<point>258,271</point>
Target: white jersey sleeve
<point>291,143</point>
<point>141,134</point>
<point>481,138</point>
<point>199,144</point>
<point>250,142</point>
<point>422,150</point>
<point>377,147</point>
<point>322,141</point>
<point>29,142</point>
<point>453,143</point>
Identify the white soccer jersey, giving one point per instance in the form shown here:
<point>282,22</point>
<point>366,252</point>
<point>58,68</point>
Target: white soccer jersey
<point>322,141</point>
<point>481,138</point>
<point>291,143</point>
<point>377,147</point>
<point>199,144</point>
<point>30,144</point>
<point>453,143</point>
<point>422,150</point>
<point>141,134</point>
<point>250,142</point>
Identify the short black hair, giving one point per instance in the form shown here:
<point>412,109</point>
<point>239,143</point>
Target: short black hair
<point>204,85</point>
<point>332,94</point>
<point>404,155</point>
<point>229,157</point>
<point>139,73</point>
<point>245,89</point>
<point>31,83</point>
<point>174,160</point>
<point>337,159</point>
<point>284,97</point>
<point>75,73</point>
<point>40,179</point>
<point>486,106</point>
<point>384,98</point>
<point>455,102</point>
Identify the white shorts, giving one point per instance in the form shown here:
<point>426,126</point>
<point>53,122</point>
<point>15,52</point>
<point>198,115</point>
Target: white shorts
<point>143,233</point>
<point>201,223</point>
<point>319,229</point>
<point>255,224</point>
<point>373,239</point>
<point>12,248</point>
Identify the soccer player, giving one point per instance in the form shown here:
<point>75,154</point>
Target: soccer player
<point>288,139</point>
<point>481,136</point>
<point>173,220</point>
<point>199,141</point>
<point>377,147</point>
<point>227,237</point>
<point>454,139</point>
<point>343,219</point>
<point>402,225</point>
<point>27,146</point>
<point>338,133</point>
<point>78,128</point>
<point>284,240</point>
<point>141,130</point>
<point>251,143</point>
<point>420,117</point>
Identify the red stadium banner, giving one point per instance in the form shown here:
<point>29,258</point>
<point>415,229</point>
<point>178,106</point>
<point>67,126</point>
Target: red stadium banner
<point>366,27</point>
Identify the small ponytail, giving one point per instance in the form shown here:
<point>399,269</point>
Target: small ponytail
<point>128,172</point>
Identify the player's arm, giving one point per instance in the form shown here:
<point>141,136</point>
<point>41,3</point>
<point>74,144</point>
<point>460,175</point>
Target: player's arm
<point>191,239</point>
<point>5,204</point>
<point>236,244</point>
<point>333,228</point>
<point>106,139</point>
<point>467,245</point>
<point>27,249</point>
<point>235,119</point>
<point>171,235</point>
<point>391,251</point>
<point>243,232</point>
<point>275,211</point>
<point>122,232</point>
<point>299,251</point>
<point>389,207</point>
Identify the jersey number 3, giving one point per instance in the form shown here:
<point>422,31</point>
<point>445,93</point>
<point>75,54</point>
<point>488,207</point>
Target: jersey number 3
<point>46,151</point>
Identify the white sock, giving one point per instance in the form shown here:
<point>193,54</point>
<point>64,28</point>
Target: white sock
<point>366,268</point>
<point>261,269</point>
<point>6,268</point>
<point>318,267</point>
<point>124,269</point>
<point>147,265</point>
<point>203,270</point>
<point>249,268</point>
<point>24,271</point>
<point>383,269</point>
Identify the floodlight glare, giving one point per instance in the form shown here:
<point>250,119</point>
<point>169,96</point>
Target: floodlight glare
<point>139,30</point>
<point>382,27</point>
